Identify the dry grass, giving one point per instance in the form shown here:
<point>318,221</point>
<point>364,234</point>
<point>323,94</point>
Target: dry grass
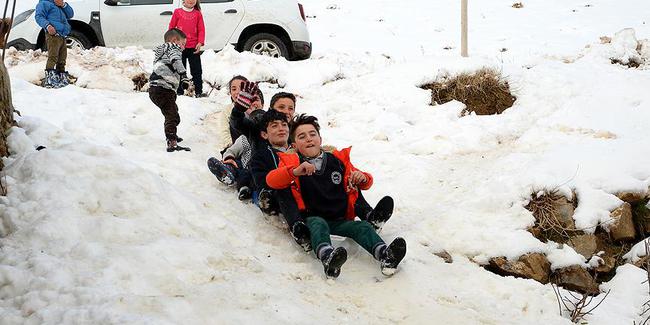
<point>547,221</point>
<point>139,81</point>
<point>484,92</point>
<point>577,305</point>
<point>630,64</point>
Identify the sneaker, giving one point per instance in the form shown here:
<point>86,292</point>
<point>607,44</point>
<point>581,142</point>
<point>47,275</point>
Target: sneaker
<point>381,213</point>
<point>392,256</point>
<point>300,233</point>
<point>172,145</point>
<point>244,193</point>
<point>333,261</point>
<point>225,173</point>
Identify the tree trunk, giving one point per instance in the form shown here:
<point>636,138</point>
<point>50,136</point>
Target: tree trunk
<point>6,106</point>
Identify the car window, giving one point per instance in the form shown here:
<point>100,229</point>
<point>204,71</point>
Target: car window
<point>215,1</point>
<point>148,2</point>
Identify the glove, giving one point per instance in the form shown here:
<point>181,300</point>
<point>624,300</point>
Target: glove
<point>246,95</point>
<point>185,82</point>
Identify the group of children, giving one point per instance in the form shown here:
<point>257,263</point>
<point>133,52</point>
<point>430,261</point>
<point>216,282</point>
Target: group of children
<point>53,17</point>
<point>275,158</point>
<point>280,163</point>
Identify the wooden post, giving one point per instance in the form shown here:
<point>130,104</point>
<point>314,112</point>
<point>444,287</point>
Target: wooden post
<point>6,107</point>
<point>463,28</point>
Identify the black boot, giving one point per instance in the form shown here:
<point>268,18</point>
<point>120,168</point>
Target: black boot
<point>381,213</point>
<point>333,260</point>
<point>244,193</point>
<point>225,173</point>
<point>392,256</point>
<point>172,145</point>
<point>300,233</point>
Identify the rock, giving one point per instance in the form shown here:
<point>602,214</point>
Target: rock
<point>622,226</point>
<point>575,278</point>
<point>530,266</point>
<point>584,245</point>
<point>445,256</point>
<point>631,197</point>
<point>565,211</point>
<point>607,265</point>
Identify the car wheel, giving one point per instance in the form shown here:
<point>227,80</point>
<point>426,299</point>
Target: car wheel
<point>78,40</point>
<point>266,44</point>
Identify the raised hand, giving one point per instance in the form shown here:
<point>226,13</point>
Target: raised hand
<point>303,169</point>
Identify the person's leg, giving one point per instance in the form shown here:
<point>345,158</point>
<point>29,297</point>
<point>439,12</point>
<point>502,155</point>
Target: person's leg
<point>361,207</point>
<point>320,235</point>
<point>63,55</point>
<point>52,51</point>
<point>166,101</point>
<point>289,210</point>
<point>197,72</point>
<point>361,232</point>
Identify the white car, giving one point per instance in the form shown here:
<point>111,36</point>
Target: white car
<point>268,27</point>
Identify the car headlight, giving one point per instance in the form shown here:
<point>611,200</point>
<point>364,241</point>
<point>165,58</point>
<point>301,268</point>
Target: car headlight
<point>22,17</point>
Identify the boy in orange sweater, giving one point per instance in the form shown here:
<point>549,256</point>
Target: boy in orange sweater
<point>326,187</point>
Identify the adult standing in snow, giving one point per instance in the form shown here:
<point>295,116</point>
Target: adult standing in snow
<point>53,16</point>
<point>188,18</point>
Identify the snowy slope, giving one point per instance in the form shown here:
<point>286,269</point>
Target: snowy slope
<point>104,226</point>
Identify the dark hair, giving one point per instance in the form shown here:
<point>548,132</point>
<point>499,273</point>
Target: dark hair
<point>174,33</point>
<point>260,95</point>
<point>237,77</point>
<point>256,116</point>
<point>302,119</point>
<point>270,116</point>
<point>282,95</point>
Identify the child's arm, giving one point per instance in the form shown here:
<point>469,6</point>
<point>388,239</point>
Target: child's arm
<point>174,21</point>
<point>67,10</point>
<point>235,151</point>
<point>283,176</point>
<point>40,16</point>
<point>201,28</point>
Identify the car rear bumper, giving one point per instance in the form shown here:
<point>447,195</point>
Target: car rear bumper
<point>301,50</point>
<point>21,44</point>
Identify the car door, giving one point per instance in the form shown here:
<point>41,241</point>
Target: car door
<point>136,22</point>
<point>221,18</point>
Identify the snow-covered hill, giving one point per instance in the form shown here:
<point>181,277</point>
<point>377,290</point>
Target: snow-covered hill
<point>105,227</point>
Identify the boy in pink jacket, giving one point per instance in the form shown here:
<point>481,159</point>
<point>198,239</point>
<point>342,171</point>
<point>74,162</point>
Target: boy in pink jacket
<point>189,19</point>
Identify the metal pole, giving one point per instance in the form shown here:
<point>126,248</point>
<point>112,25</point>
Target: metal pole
<point>463,28</point>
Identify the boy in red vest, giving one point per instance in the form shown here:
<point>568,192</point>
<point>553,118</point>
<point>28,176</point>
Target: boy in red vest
<point>326,187</point>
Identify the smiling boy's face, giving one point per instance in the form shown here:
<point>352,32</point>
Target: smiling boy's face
<point>307,140</point>
<point>277,133</point>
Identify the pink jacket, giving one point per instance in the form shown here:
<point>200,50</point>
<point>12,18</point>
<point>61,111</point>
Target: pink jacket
<point>191,23</point>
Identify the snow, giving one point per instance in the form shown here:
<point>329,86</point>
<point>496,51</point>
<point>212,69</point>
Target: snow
<point>104,226</point>
<point>637,252</point>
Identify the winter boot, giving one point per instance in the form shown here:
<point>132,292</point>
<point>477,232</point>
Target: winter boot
<point>179,139</point>
<point>172,145</point>
<point>332,260</point>
<point>300,233</point>
<point>225,172</point>
<point>51,79</point>
<point>63,78</point>
<point>381,213</point>
<point>392,256</point>
<point>244,193</point>
<point>265,202</point>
